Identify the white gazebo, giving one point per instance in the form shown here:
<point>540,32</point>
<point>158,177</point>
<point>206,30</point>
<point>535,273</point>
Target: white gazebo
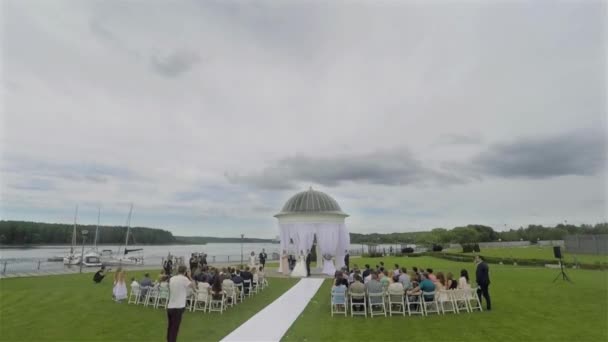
<point>311,214</point>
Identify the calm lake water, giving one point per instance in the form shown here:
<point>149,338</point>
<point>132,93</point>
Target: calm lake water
<point>20,260</point>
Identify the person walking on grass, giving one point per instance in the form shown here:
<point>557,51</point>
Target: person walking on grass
<point>482,275</point>
<point>178,292</point>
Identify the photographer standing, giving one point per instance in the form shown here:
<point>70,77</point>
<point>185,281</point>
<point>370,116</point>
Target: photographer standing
<point>178,292</point>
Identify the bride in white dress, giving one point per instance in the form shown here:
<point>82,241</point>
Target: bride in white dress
<point>300,269</point>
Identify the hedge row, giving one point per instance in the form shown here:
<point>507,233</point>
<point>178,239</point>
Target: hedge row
<point>522,262</point>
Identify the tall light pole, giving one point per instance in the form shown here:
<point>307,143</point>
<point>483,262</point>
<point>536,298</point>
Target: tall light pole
<point>84,237</point>
<point>242,237</point>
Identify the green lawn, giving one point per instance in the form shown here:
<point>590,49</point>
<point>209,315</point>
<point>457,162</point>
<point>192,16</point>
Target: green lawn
<point>527,306</point>
<point>535,252</point>
<point>73,308</point>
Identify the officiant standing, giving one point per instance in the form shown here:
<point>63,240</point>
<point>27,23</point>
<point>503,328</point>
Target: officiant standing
<point>347,260</point>
<point>263,257</point>
<point>308,260</point>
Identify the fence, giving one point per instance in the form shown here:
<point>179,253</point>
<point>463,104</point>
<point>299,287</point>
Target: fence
<point>587,244</point>
<point>501,244</point>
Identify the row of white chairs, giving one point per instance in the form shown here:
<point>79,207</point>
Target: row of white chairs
<point>381,303</point>
<point>199,299</point>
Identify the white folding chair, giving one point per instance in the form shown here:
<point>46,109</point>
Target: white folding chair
<point>201,301</point>
<point>134,295</point>
<point>240,292</point>
<point>247,287</point>
<point>230,291</point>
<point>473,300</point>
<point>446,301</point>
<point>217,304</point>
<point>430,305</point>
<point>414,304</point>
<point>255,285</point>
<point>395,303</point>
<point>376,300</point>
<point>358,304</point>
<point>152,296</point>
<point>162,299</point>
<point>339,302</point>
<point>460,300</point>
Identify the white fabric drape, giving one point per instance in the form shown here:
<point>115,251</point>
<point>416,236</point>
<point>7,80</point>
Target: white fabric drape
<point>332,238</point>
<point>343,244</point>
<point>328,238</point>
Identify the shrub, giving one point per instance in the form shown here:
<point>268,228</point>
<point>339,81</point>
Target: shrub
<point>476,248</point>
<point>467,248</point>
<point>437,248</point>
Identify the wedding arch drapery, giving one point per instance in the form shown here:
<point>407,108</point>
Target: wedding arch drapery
<point>332,240</point>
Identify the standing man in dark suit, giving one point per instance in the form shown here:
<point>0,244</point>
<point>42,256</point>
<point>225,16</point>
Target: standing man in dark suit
<point>482,275</point>
<point>308,260</point>
<point>347,260</point>
<point>263,257</point>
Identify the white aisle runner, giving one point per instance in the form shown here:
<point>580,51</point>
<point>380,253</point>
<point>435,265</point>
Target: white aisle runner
<point>272,322</point>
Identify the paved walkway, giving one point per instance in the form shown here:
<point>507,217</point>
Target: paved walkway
<point>272,322</point>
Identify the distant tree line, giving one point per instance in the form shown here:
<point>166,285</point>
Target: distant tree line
<point>208,239</point>
<point>479,233</point>
<point>24,233</point>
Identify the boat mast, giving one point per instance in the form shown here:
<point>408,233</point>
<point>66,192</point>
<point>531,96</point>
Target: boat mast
<point>74,231</point>
<point>97,229</point>
<point>128,228</point>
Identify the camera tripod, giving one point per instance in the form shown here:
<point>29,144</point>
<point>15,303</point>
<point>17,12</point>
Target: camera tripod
<point>562,273</point>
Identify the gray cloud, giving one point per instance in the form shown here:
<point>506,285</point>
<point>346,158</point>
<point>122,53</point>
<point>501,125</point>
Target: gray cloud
<point>395,167</point>
<point>73,171</point>
<point>459,139</point>
<point>580,153</point>
<point>174,63</point>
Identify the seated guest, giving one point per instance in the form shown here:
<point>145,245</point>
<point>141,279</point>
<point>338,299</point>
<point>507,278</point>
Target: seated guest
<point>247,275</point>
<point>426,285</point>
<point>99,275</point>
<point>366,271</point>
<point>368,278</point>
<point>216,288</point>
<point>440,284</point>
<point>357,287</point>
<point>396,287</point>
<point>396,271</point>
<point>134,282</point>
<point>146,281</point>
<point>416,276</point>
<point>339,279</point>
<point>384,279</point>
<point>351,277</point>
<point>237,279</point>
<point>451,284</point>
<point>404,279</point>
<point>430,275</point>
<point>463,281</point>
<point>374,285</point>
<point>227,282</point>
<point>339,290</point>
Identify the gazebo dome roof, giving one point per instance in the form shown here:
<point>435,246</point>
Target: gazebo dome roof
<point>311,202</point>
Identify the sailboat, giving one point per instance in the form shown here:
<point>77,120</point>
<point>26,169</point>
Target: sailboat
<point>92,258</point>
<point>108,258</point>
<point>72,258</point>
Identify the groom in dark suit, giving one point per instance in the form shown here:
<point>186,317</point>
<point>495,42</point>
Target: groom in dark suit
<point>308,260</point>
<point>483,281</point>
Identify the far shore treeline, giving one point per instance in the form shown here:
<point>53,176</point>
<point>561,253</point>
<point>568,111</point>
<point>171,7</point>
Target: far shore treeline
<point>38,233</point>
<point>478,233</point>
<point>33,233</point>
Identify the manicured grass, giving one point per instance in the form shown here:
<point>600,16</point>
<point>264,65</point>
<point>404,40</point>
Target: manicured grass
<point>535,252</point>
<point>527,306</point>
<point>73,308</point>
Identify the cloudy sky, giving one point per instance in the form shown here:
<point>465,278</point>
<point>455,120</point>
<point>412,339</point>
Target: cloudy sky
<point>209,115</point>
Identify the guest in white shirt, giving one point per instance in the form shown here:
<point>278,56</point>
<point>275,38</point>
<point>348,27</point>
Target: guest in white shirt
<point>463,282</point>
<point>178,293</point>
